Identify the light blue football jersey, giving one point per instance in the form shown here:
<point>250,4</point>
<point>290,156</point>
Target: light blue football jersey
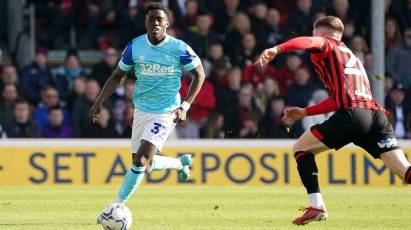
<point>158,69</point>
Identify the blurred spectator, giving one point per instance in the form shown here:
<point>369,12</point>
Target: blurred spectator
<point>187,129</point>
<point>392,33</point>
<point>400,11</point>
<point>102,128</point>
<point>102,15</point>
<point>49,98</point>
<point>388,84</point>
<point>349,31</point>
<point>368,65</point>
<point>103,70</point>
<point>35,76</point>
<point>286,73</point>
<point>224,14</point>
<point>274,32</point>
<point>227,96</point>
<point>270,89</point>
<point>406,16</point>
<point>50,21</point>
<point>124,110</point>
<point>399,111</point>
<point>398,61</point>
<point>205,101</point>
<point>81,108</point>
<point>301,91</point>
<point>67,73</point>
<point>172,28</point>
<point>227,102</point>
<point>79,87</point>
<point>239,26</point>
<point>178,9</point>
<point>200,36</point>
<point>9,76</point>
<point>248,52</point>
<point>190,16</point>
<point>359,47</point>
<point>301,19</point>
<point>55,127</point>
<point>214,126</point>
<point>133,17</point>
<point>9,96</point>
<point>341,9</point>
<point>256,74</point>
<point>246,104</point>
<point>22,126</point>
<point>220,65</point>
<point>274,126</point>
<point>258,15</point>
<point>250,125</point>
<point>318,96</point>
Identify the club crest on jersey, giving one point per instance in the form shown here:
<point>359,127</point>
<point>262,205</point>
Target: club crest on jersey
<point>156,69</point>
<point>387,143</point>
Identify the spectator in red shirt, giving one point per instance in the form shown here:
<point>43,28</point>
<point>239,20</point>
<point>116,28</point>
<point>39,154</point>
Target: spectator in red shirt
<point>285,76</point>
<point>204,103</point>
<point>220,65</point>
<point>392,33</point>
<point>257,74</point>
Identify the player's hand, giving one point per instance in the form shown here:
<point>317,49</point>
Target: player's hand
<point>95,111</point>
<point>294,114</point>
<point>266,56</point>
<point>180,113</point>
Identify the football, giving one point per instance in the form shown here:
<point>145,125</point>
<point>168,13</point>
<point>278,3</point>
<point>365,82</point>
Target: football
<point>116,216</point>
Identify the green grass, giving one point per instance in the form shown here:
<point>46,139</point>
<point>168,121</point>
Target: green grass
<point>204,207</point>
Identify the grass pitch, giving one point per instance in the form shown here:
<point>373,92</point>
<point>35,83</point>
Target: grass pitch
<point>204,207</point>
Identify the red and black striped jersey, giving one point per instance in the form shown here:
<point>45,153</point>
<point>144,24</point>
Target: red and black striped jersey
<point>339,69</point>
<point>343,75</point>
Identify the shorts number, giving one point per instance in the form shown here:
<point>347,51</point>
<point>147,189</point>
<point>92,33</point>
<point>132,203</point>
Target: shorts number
<point>156,128</point>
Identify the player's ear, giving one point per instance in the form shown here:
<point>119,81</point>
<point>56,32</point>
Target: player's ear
<point>167,24</point>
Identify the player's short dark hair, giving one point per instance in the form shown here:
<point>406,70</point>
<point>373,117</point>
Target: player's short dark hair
<point>330,22</point>
<point>158,6</point>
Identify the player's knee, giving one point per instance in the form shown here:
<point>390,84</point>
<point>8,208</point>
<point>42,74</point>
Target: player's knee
<point>297,147</point>
<point>139,160</point>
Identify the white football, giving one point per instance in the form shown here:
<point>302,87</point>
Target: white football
<point>116,216</point>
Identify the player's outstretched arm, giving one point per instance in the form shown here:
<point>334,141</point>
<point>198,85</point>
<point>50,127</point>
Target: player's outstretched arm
<point>109,87</point>
<point>297,113</point>
<point>195,86</point>
<point>299,43</point>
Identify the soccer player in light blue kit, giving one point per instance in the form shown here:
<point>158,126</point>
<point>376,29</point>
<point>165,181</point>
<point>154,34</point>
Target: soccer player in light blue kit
<point>157,59</point>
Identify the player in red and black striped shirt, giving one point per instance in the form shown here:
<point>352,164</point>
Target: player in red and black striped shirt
<point>358,117</point>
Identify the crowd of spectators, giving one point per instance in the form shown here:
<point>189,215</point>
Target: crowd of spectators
<point>237,100</point>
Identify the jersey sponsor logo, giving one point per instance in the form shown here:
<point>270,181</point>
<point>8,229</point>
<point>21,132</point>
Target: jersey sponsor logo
<point>156,69</point>
<point>387,143</point>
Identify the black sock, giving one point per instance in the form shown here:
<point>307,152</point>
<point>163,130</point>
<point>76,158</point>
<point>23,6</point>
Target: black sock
<point>408,176</point>
<point>307,168</point>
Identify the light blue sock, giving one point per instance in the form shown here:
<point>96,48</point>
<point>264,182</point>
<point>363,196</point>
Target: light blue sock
<point>131,181</point>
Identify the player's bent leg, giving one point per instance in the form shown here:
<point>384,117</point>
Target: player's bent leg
<point>304,152</point>
<point>308,142</point>
<point>398,163</point>
<point>181,164</point>
<point>133,178</point>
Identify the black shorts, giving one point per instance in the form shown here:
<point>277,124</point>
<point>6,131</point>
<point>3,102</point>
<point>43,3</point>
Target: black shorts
<point>368,129</point>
